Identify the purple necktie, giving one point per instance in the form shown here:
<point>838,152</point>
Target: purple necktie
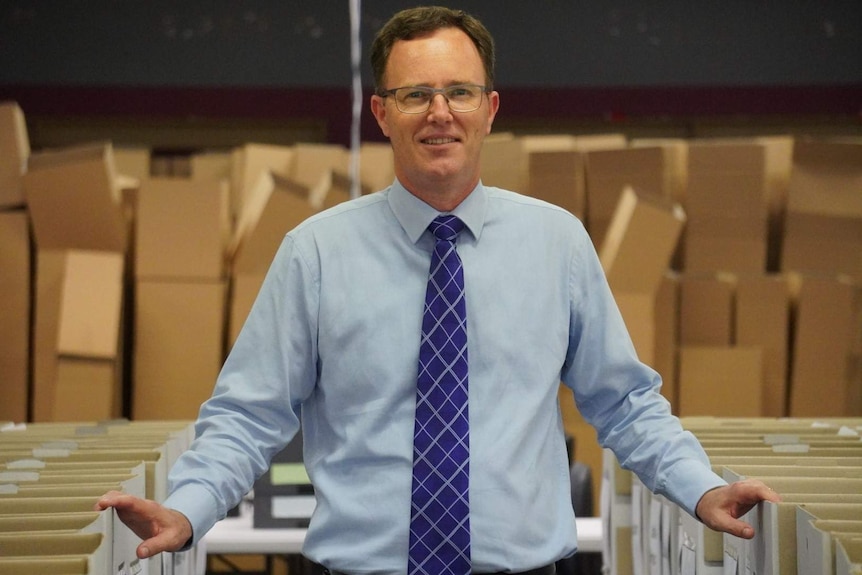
<point>440,509</point>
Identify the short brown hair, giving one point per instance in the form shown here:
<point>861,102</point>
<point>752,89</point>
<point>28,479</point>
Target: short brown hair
<point>413,22</point>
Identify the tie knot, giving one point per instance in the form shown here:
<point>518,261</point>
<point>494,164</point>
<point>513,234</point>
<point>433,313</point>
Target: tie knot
<point>446,227</point>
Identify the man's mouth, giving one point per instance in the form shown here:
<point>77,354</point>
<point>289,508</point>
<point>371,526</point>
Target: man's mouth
<point>439,141</point>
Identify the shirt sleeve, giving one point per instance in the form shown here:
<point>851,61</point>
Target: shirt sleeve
<point>620,396</point>
<point>254,409</point>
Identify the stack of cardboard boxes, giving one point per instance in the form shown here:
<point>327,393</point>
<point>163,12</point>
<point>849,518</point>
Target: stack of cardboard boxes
<point>75,205</point>
<point>144,267</point>
<point>51,476</point>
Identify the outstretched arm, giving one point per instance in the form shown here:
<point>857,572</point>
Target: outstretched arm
<point>161,529</point>
<point>720,508</point>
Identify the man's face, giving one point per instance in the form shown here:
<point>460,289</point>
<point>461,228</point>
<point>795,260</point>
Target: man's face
<point>437,149</point>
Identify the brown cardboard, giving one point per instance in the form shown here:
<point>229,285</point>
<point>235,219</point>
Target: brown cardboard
<point>706,309</point>
<point>78,311</point>
<point>14,152</point>
<point>179,331</point>
<point>90,305</point>
<point>331,189</point>
<point>824,209</point>
<point>275,206</point>
<point>826,343</point>
<point>558,177</point>
<point>247,163</point>
<point>778,158</point>
<point>640,242</point>
<point>720,381</point>
<point>311,161</point>
<point>762,319</point>
<point>74,199</point>
<point>376,166</point>
<point>610,172</point>
<point>14,314</point>
<point>504,162</point>
<point>181,230</point>
<point>132,161</point>
<point>714,243</point>
<point>87,389</point>
<point>66,565</point>
<point>211,166</point>
<point>726,201</point>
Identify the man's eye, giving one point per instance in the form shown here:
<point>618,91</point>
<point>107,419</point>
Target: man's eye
<point>416,95</point>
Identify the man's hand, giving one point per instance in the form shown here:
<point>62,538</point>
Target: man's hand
<point>720,508</point>
<point>162,529</point>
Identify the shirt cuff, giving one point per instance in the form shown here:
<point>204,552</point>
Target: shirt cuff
<point>690,479</point>
<point>199,507</point>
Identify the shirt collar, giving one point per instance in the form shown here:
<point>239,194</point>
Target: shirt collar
<point>414,215</point>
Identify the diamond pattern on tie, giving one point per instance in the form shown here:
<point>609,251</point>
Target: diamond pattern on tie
<point>439,522</point>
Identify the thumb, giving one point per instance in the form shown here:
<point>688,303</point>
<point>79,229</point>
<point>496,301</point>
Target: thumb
<point>736,527</point>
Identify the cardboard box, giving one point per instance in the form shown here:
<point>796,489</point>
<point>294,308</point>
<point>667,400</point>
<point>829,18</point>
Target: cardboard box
<point>640,241</point>
<point>87,389</point>
<point>726,202</point>
<point>824,209</point>
<point>248,162</point>
<point>132,161</point>
<point>376,166</point>
<point>725,244</point>
<point>276,205</point>
<point>91,304</point>
<point>74,199</point>
<point>77,334</point>
<point>706,309</point>
<point>210,165</point>
<point>720,381</point>
<point>170,212</point>
<point>762,319</point>
<point>311,161</point>
<point>14,152</point>
<point>558,177</point>
<point>179,329</point>
<point>14,315</point>
<point>610,172</point>
<point>826,343</point>
<point>504,162</point>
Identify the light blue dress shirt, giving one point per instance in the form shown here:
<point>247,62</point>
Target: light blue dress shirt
<point>335,330</point>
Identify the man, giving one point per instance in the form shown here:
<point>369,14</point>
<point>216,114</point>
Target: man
<point>335,333</point>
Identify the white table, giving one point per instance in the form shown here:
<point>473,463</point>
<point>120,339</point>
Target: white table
<point>236,535</point>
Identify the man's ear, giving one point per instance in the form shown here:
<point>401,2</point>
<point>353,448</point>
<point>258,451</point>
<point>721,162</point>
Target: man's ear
<point>378,108</point>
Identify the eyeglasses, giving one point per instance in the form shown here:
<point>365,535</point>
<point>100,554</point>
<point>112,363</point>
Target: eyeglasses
<point>417,99</point>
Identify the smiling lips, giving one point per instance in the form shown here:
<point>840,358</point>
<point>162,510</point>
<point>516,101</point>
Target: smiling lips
<point>436,141</point>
